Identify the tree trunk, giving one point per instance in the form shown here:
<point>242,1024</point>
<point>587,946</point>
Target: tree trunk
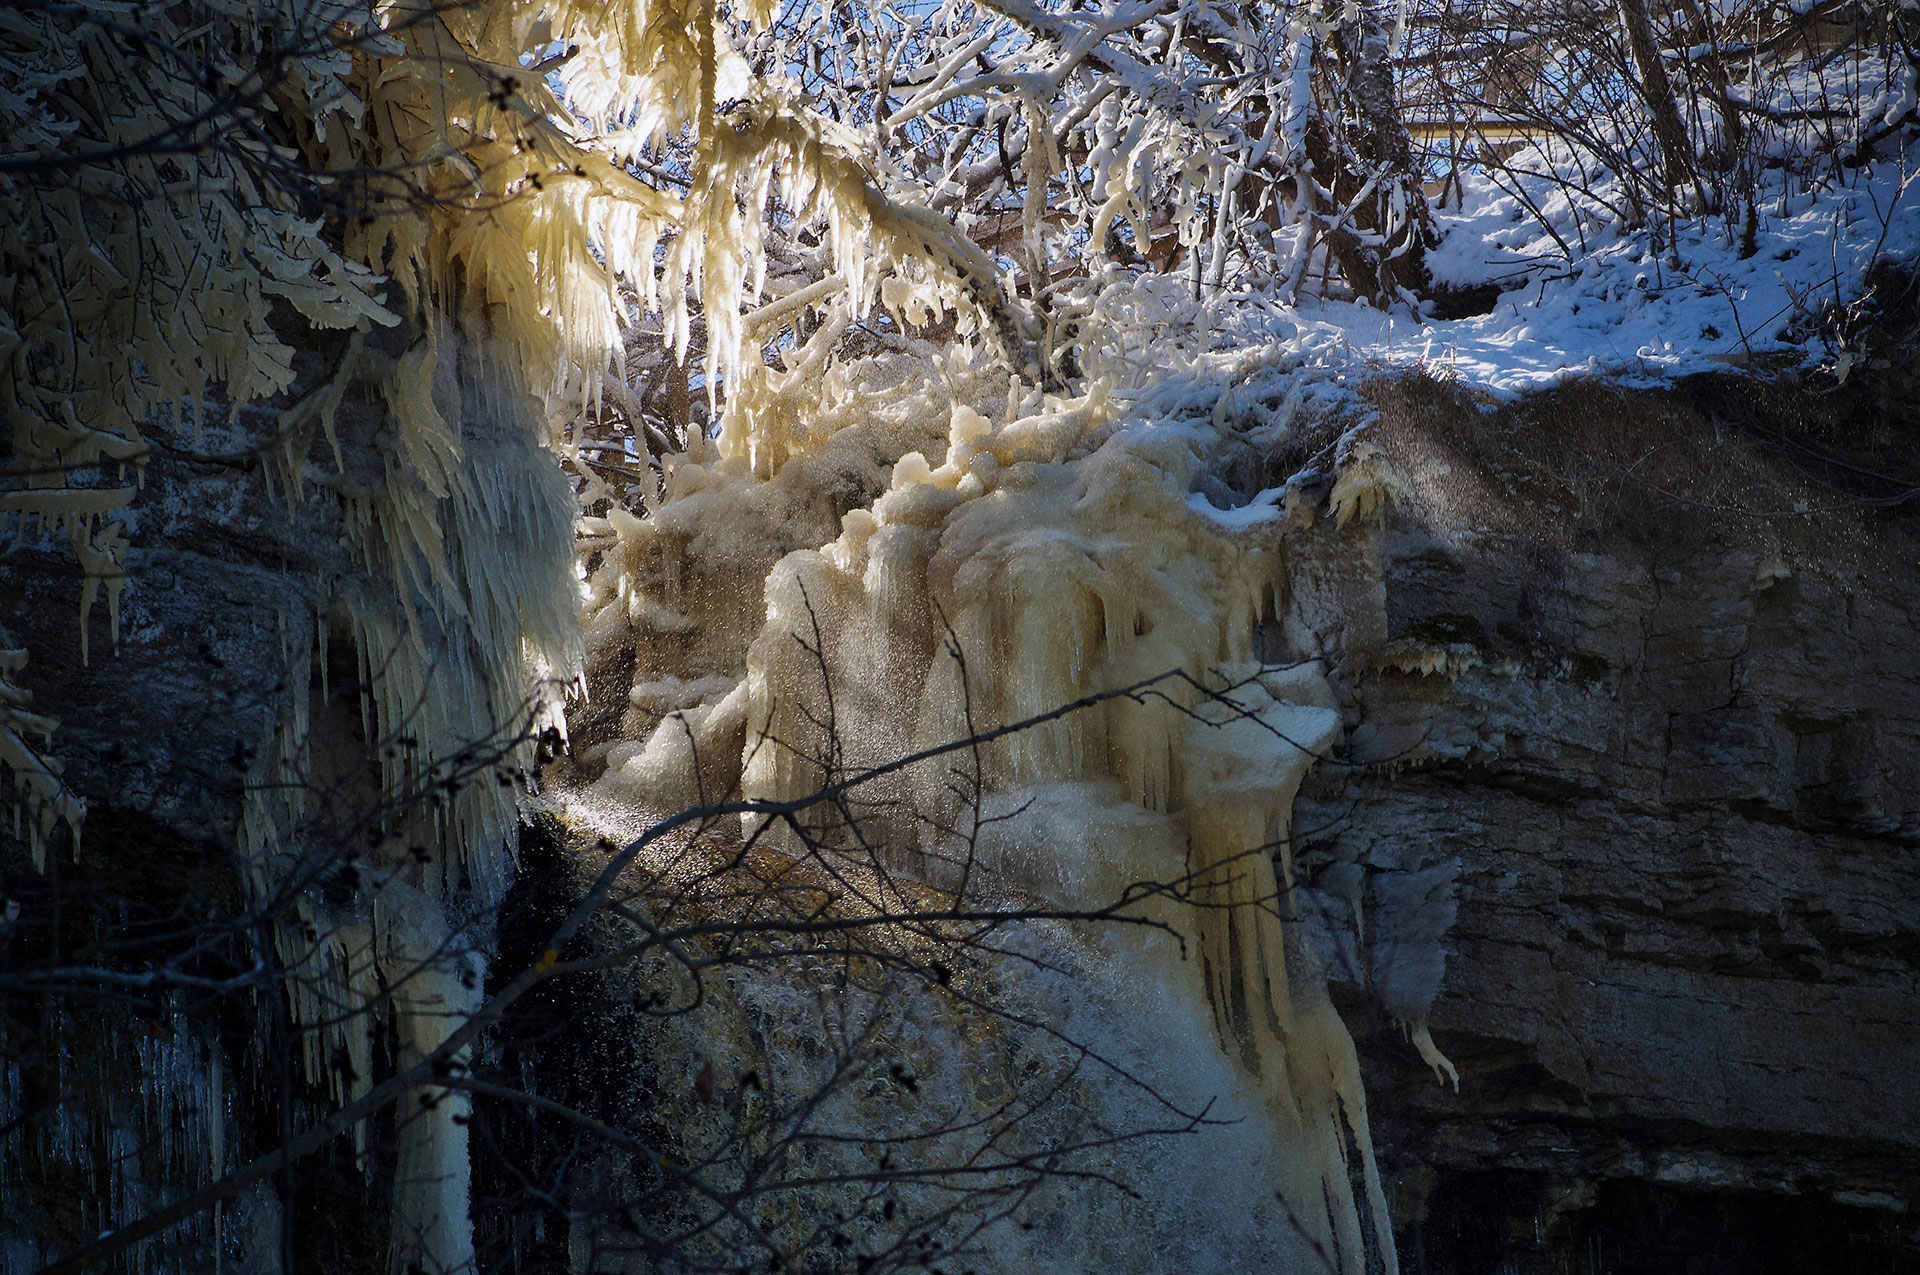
<point>1379,236</point>
<point>1676,151</point>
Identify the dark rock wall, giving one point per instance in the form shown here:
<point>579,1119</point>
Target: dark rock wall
<point>1667,791</point>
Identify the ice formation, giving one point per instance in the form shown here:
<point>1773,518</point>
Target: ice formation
<point>1059,547</point>
<point>1062,545</point>
<point>163,1097</point>
<point>436,983</point>
<point>462,622</point>
<point>40,803</point>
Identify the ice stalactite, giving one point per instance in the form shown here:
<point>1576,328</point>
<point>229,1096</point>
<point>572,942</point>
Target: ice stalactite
<point>436,981</point>
<point>383,853</point>
<point>463,623</point>
<point>40,802</point>
<point>159,1129</point>
<point>1056,553</point>
<point>1414,911</point>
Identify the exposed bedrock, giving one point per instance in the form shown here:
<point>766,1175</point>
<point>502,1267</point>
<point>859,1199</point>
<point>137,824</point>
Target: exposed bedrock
<point>1653,804</point>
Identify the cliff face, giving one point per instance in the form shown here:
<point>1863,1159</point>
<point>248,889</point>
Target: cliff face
<point>1622,815</point>
<point>1653,804</point>
<point>1626,817</point>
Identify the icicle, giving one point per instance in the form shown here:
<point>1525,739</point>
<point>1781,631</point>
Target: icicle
<point>435,986</point>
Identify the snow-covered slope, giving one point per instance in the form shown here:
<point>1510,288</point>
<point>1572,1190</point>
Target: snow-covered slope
<point>1638,305</point>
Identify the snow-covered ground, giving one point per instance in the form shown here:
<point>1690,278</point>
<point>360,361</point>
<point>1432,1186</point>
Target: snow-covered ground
<point>1621,309</point>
